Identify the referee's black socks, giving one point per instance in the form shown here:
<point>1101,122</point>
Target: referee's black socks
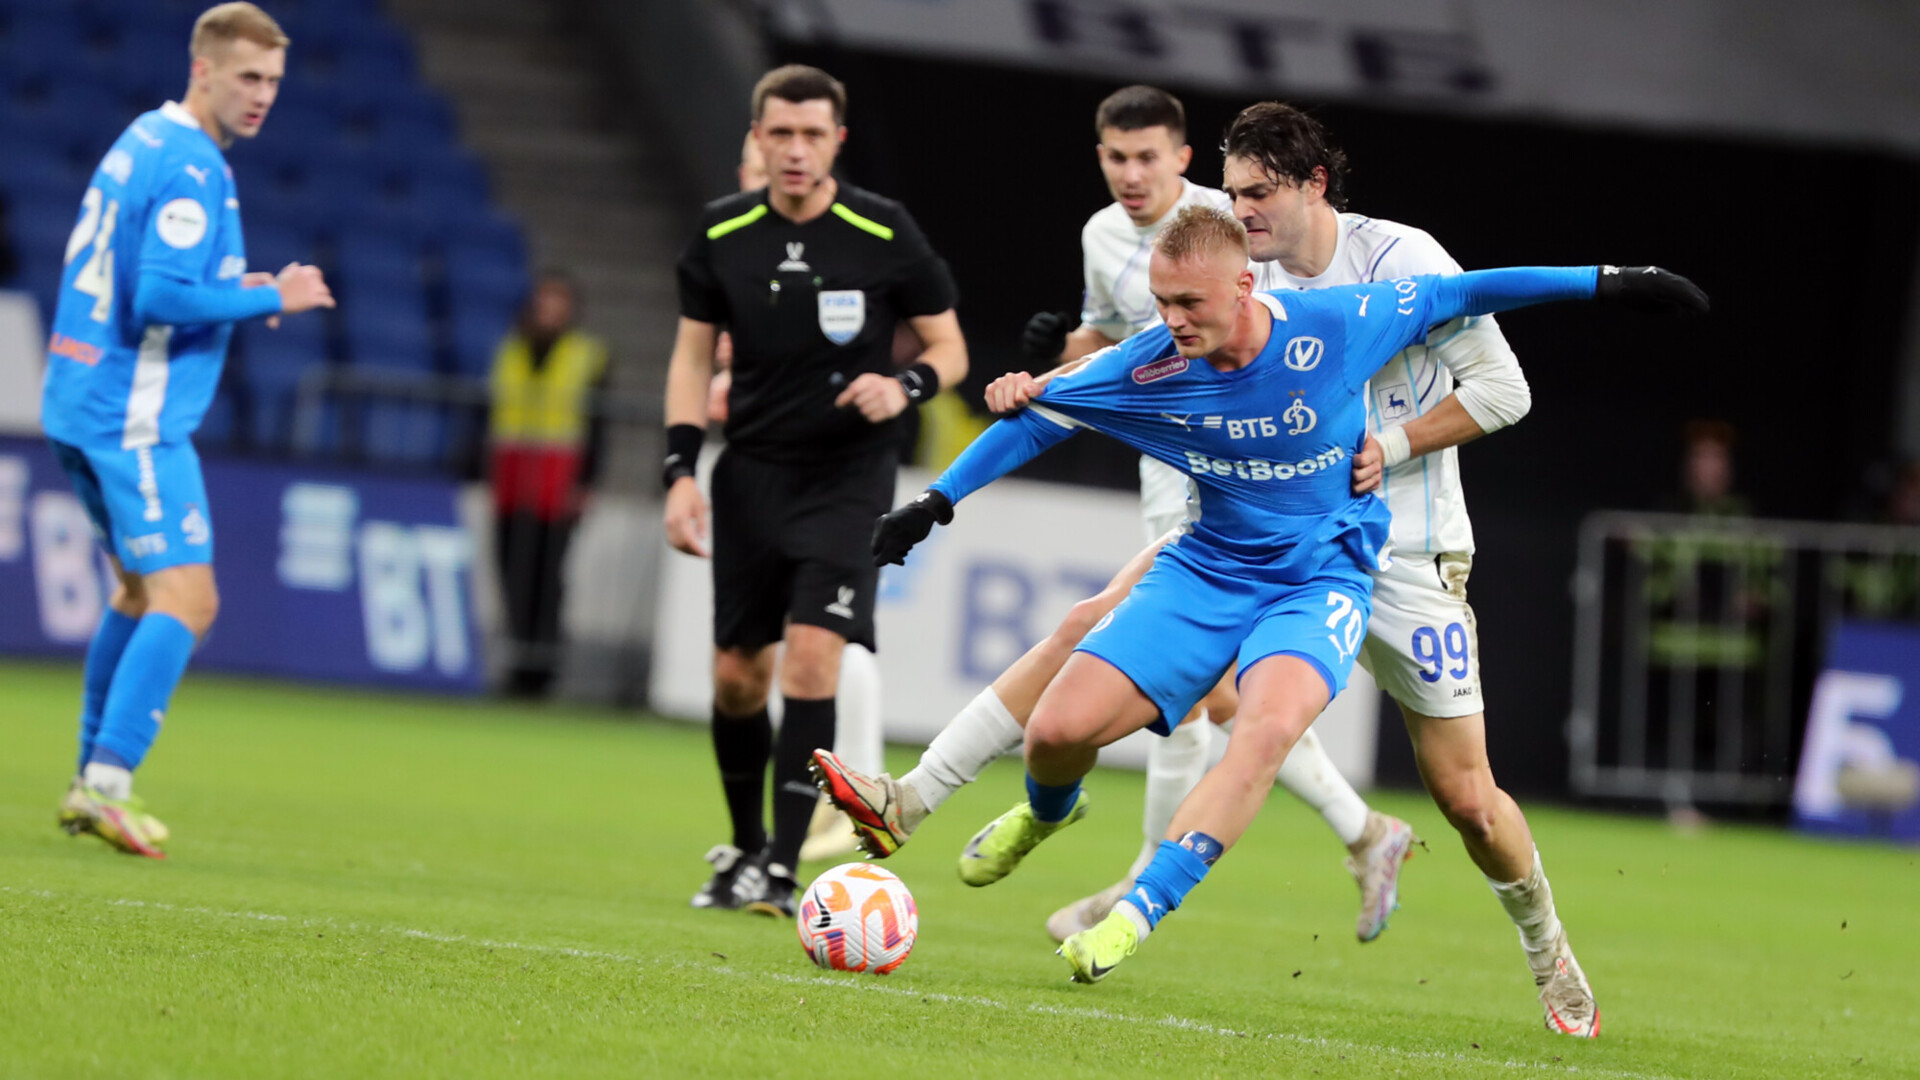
<point>742,744</point>
<point>805,726</point>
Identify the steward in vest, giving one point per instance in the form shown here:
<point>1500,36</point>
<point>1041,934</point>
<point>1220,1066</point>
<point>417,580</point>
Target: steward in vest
<point>545,442</point>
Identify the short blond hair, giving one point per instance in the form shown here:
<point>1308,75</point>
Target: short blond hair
<point>1199,231</point>
<point>222,25</point>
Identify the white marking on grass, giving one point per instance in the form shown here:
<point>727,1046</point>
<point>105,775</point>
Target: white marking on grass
<point>1176,1023</point>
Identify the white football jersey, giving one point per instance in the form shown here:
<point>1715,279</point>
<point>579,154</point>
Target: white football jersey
<point>1429,508</point>
<point>1118,303</point>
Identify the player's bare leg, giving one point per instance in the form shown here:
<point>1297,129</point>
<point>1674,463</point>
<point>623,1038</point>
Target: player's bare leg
<point>1281,697</point>
<point>1174,764</point>
<point>1452,755</point>
<point>1091,704</point>
<point>886,811</point>
<point>1377,844</point>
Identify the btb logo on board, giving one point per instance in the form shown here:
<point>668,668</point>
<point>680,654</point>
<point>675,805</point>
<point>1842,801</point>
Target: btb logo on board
<point>1304,353</point>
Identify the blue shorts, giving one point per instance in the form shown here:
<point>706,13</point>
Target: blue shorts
<point>148,506</point>
<point>1185,623</point>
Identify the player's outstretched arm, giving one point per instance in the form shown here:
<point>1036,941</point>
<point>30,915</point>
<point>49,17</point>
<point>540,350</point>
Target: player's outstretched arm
<point>1002,448</point>
<point>1643,288</point>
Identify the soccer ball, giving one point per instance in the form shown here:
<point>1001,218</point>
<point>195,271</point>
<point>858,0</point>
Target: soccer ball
<point>858,917</point>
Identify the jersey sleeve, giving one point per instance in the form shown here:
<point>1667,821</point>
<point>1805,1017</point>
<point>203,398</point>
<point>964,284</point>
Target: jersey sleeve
<point>1384,318</point>
<point>187,201</point>
<point>1006,445</point>
<point>927,286</point>
<point>1490,384</point>
<point>701,297</point>
<point>1097,308</point>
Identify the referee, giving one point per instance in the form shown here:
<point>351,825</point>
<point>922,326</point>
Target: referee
<point>809,275</point>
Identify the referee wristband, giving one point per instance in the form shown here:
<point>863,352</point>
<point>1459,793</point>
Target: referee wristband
<point>683,452</point>
<point>920,382</point>
<point>1394,446</point>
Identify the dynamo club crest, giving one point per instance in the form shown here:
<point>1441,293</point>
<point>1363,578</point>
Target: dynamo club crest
<point>842,313</point>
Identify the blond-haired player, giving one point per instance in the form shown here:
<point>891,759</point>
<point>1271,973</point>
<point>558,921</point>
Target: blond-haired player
<point>155,278</point>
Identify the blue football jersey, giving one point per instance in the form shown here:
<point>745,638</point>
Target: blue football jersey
<point>162,200</point>
<point>1270,445</point>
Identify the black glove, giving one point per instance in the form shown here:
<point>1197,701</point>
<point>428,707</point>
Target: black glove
<point>1649,288</point>
<point>1046,335</point>
<point>895,534</point>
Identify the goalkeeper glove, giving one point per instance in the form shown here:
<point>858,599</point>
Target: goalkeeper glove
<point>1046,335</point>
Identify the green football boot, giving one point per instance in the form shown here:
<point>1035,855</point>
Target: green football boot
<point>1093,953</point>
<point>76,816</point>
<point>995,850</point>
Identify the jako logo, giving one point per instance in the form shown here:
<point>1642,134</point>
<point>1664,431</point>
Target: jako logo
<point>1304,353</point>
<point>1159,369</point>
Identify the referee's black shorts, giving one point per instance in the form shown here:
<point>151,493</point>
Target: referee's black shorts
<point>791,542</point>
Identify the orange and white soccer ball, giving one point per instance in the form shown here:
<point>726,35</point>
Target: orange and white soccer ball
<point>858,917</point>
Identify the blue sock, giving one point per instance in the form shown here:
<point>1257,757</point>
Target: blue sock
<point>155,658</point>
<point>1051,804</point>
<point>1174,871</point>
<point>103,656</point>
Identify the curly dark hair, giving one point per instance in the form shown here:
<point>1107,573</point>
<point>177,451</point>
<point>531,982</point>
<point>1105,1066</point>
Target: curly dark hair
<point>1289,145</point>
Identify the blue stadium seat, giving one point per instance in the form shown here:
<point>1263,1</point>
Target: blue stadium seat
<point>376,262</point>
<point>41,225</point>
<point>386,331</point>
<point>271,365</point>
<point>79,118</point>
<point>477,329</point>
<point>272,245</point>
<point>30,175</point>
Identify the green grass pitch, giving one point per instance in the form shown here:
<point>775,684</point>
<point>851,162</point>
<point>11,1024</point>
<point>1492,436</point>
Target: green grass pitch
<point>367,885</point>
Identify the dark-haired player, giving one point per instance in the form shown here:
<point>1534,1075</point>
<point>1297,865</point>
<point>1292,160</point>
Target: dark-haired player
<point>809,277</point>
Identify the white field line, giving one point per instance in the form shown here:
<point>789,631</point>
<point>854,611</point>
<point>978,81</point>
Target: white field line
<point>1175,1023</point>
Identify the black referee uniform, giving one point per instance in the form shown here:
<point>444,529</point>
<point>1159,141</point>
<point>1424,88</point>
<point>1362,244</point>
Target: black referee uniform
<point>811,307</point>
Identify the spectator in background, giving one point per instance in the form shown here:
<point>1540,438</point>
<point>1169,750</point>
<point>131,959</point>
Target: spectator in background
<point>1706,472</point>
<point>1902,506</point>
<point>545,453</point>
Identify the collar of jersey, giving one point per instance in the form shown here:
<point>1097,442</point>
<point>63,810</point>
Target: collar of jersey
<point>1326,277</point>
<point>178,113</point>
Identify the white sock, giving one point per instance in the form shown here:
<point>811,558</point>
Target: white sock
<point>1309,774</point>
<point>857,735</point>
<point>1174,765</point>
<point>1139,921</point>
<point>1529,903</point>
<point>971,740</point>
<point>110,780</point>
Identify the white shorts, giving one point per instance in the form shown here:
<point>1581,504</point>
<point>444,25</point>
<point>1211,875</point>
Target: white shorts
<point>1165,495</point>
<point>1422,645</point>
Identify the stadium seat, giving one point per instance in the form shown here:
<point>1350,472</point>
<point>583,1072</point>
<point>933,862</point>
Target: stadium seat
<point>271,246</point>
<point>477,329</point>
<point>376,262</point>
<point>272,364</point>
<point>385,331</point>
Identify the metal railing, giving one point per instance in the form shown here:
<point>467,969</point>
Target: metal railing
<point>1697,642</point>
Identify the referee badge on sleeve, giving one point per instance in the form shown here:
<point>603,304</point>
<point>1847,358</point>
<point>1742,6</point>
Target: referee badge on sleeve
<point>842,313</point>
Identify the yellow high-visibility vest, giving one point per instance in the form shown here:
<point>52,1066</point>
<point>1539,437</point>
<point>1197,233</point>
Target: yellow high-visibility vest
<point>546,405</point>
